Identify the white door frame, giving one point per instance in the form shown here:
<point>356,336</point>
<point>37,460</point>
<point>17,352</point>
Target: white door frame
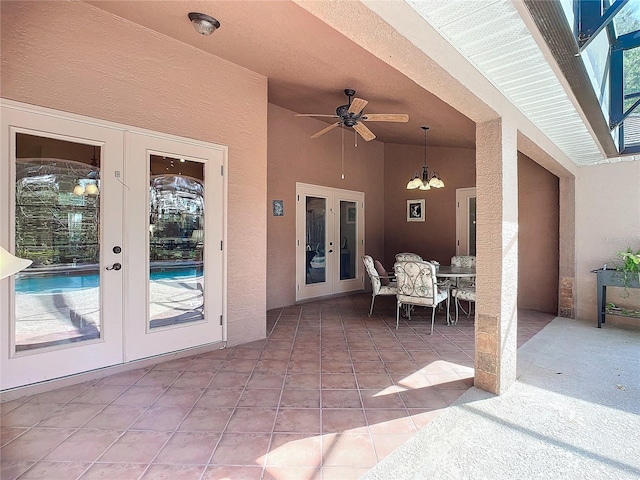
<point>332,284</point>
<point>462,219</point>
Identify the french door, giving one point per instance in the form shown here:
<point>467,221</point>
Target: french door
<point>330,241</point>
<point>466,221</point>
<point>125,233</point>
<point>63,209</point>
<point>174,237</point>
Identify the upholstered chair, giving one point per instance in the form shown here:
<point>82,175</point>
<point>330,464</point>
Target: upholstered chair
<point>406,256</point>
<point>382,282</point>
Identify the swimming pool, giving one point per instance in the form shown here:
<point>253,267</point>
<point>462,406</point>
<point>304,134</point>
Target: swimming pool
<point>72,281</point>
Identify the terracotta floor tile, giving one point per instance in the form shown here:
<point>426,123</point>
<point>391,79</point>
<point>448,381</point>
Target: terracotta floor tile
<point>260,397</point>
<point>248,449</point>
<point>190,379</point>
<point>116,417</point>
<point>135,447</point>
<point>292,473</point>
<point>121,471</point>
<point>386,443</point>
<point>11,470</point>
<point>54,471</point>
<point>381,399</point>
<point>84,446</point>
<point>158,378</point>
<point>252,420</point>
<point>71,415</point>
<point>173,472</point>
<point>101,394</point>
<point>34,444</point>
<point>344,420</point>
<point>343,473</point>
<point>137,395</point>
<point>335,381</point>
<point>302,381</point>
<point>206,420</point>
<point>294,450</point>
<point>29,414</point>
<point>298,420</point>
<point>161,419</point>
<point>389,421</point>
<point>213,397</point>
<point>232,472</point>
<point>266,380</point>
<point>294,398</point>
<point>348,449</point>
<point>189,448</point>
<point>179,397</point>
<point>341,399</point>
<point>7,434</point>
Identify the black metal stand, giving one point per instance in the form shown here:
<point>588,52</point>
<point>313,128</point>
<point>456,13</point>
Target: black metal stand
<point>612,278</point>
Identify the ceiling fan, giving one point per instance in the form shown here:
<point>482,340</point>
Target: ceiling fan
<point>352,115</point>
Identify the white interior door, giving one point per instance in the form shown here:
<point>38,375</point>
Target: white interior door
<point>466,221</point>
<point>62,208</point>
<point>330,241</point>
<point>174,225</point>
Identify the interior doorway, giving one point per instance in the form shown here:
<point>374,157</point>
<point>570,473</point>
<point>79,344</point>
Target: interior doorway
<point>466,221</point>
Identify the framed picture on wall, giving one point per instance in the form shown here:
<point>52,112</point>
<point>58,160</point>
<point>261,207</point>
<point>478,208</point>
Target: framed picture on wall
<point>415,210</point>
<point>351,215</point>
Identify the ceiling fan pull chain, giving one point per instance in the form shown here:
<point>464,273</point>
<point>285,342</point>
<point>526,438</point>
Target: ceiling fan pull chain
<point>356,136</point>
<point>342,130</point>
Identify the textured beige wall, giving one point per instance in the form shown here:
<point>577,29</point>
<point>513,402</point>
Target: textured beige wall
<point>538,237</point>
<point>607,221</point>
<point>72,57</point>
<point>294,157</point>
<point>434,239</point>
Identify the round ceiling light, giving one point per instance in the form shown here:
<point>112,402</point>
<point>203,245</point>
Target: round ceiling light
<point>204,24</point>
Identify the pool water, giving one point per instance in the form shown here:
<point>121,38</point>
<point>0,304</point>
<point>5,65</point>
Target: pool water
<point>65,283</point>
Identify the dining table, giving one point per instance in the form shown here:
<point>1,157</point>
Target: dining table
<point>453,272</point>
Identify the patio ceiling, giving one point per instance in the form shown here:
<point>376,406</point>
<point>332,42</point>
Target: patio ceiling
<point>308,63</point>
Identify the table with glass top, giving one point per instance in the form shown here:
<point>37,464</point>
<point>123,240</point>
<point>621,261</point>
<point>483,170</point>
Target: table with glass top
<point>448,271</point>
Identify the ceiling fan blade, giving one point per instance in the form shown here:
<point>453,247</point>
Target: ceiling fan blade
<point>357,105</point>
<point>364,132</point>
<point>315,115</point>
<point>386,117</point>
<point>325,130</point>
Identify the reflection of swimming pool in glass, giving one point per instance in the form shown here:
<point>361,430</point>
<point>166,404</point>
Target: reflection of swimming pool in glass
<point>26,284</point>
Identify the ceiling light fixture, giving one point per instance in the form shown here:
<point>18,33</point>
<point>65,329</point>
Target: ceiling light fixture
<point>204,24</point>
<point>425,181</point>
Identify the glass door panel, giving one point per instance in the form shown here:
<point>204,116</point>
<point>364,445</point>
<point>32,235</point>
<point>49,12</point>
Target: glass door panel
<point>176,241</point>
<point>316,218</point>
<point>57,219</point>
<point>348,239</point>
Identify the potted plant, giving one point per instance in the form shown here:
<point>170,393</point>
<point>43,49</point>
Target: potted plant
<point>630,265</point>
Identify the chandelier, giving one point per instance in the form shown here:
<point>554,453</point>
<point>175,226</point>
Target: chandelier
<point>425,181</point>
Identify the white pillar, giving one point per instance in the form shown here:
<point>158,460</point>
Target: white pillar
<point>497,255</point>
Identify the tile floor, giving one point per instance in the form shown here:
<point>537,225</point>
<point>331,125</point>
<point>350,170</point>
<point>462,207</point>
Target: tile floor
<point>328,394</point>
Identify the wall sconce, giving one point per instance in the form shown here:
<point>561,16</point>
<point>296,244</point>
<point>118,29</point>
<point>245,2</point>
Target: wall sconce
<point>204,24</point>
<point>425,181</point>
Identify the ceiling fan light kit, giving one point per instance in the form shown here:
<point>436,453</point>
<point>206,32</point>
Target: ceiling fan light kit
<point>352,115</point>
<point>425,181</point>
<point>204,24</point>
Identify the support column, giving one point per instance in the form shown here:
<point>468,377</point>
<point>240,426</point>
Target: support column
<point>497,255</point>
<point>567,250</point>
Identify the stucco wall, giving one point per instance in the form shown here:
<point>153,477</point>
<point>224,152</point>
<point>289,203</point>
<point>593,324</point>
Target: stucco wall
<point>434,239</point>
<point>538,237</point>
<point>607,221</point>
<point>295,157</point>
<point>72,57</point>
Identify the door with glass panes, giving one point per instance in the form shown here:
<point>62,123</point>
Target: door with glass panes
<point>124,230</point>
<point>330,241</point>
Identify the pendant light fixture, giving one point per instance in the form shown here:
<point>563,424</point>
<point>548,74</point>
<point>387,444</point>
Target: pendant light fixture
<point>425,181</point>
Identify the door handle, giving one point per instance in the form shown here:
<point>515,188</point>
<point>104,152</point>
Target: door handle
<point>115,266</point>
